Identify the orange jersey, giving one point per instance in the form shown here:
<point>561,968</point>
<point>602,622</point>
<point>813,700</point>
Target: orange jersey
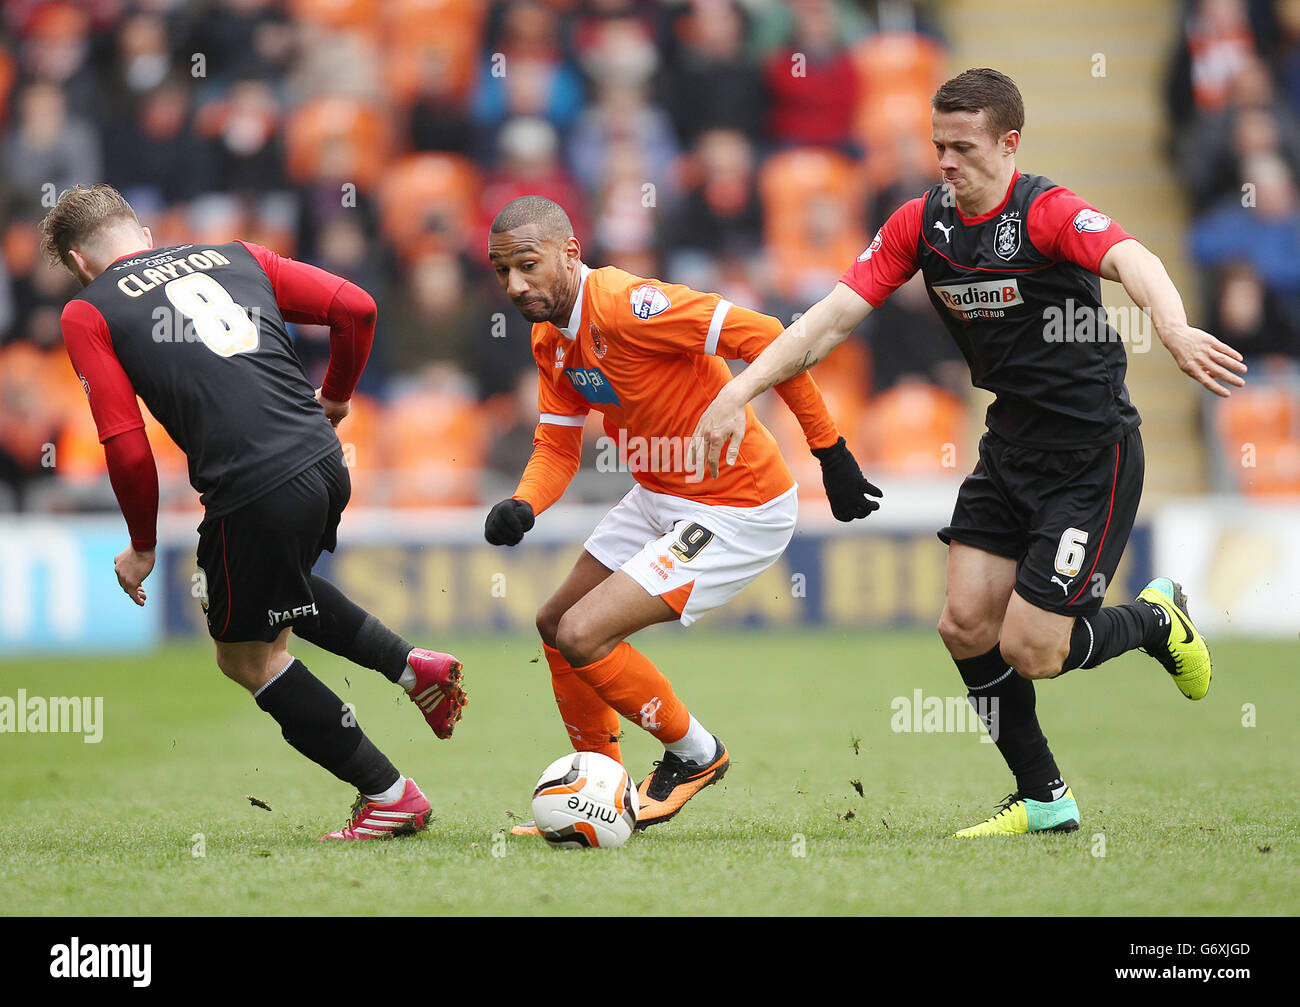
<point>649,356</point>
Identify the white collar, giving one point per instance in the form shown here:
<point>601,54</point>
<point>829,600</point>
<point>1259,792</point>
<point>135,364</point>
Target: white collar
<point>570,331</point>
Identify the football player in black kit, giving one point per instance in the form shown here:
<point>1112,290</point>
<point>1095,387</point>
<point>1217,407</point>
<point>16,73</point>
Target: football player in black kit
<point>224,382</point>
<point>1041,522</point>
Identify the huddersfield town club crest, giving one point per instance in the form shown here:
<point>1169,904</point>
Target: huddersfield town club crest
<point>1006,239</point>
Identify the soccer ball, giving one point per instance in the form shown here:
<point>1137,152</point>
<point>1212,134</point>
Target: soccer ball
<point>585,799</point>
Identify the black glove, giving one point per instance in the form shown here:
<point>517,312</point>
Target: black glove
<point>846,487</point>
<point>507,522</point>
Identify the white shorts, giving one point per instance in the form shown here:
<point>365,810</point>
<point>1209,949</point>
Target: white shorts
<point>696,556</point>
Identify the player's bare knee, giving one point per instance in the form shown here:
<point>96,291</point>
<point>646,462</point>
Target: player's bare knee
<point>1030,660</point>
<point>251,669</point>
<point>548,621</point>
<point>965,633</point>
<point>236,668</point>
<point>575,639</point>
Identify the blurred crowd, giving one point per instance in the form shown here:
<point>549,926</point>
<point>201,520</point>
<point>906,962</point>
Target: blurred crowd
<point>1233,97</point>
<point>748,148</point>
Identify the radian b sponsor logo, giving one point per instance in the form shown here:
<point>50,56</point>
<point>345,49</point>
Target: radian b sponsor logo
<point>986,299</point>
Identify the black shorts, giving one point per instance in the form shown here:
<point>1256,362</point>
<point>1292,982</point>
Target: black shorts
<point>257,560</point>
<point>1063,516</point>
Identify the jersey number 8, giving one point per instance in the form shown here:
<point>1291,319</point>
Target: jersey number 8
<point>221,325</point>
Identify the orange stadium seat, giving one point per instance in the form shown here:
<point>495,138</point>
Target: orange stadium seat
<point>417,31</point>
<point>361,435</point>
<point>915,429</point>
<point>21,248</point>
<point>1270,412</point>
<point>1259,436</point>
<point>429,202</point>
<point>338,15</point>
<point>437,443</point>
<point>7,74</point>
<point>898,72</point>
<point>1276,471</point>
<point>31,405</point>
<point>353,135</point>
<point>812,202</point>
<point>843,378</point>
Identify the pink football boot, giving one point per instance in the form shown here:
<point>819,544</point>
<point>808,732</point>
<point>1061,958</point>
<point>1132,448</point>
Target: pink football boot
<point>405,816</point>
<point>437,691</point>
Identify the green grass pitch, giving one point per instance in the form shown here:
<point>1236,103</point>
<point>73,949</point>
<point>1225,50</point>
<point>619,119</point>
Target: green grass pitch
<point>1186,810</point>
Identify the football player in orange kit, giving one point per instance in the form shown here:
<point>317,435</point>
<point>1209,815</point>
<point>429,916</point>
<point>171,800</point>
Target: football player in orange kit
<point>649,356</point>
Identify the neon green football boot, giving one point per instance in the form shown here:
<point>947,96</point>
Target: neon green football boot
<point>1185,654</point>
<point>1018,816</point>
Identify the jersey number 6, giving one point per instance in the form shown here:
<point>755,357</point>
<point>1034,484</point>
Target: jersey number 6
<point>221,325</point>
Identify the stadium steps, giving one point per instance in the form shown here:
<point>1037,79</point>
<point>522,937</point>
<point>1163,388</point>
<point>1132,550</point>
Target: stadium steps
<point>1103,136</point>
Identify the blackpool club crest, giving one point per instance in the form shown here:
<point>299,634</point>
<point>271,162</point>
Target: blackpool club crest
<point>1006,237</point>
<point>598,344</point>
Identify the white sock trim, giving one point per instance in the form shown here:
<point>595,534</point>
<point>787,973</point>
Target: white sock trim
<point>391,794</point>
<point>272,679</point>
<point>1091,640</point>
<point>696,745</point>
<point>988,685</point>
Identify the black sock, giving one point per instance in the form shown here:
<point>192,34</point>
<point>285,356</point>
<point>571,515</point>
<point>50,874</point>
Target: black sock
<point>317,723</point>
<point>1112,631</point>
<point>1005,702</point>
<point>346,629</point>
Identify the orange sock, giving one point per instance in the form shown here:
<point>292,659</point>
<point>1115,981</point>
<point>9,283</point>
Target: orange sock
<point>592,723</point>
<point>629,682</point>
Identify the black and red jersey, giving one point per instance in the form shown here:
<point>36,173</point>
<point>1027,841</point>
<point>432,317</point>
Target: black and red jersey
<point>198,332</point>
<point>1018,289</point>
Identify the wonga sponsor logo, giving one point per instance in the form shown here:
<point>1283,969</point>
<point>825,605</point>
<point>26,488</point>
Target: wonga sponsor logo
<point>987,299</point>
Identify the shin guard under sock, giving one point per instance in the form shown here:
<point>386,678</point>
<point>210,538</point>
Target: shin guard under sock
<point>346,629</point>
<point>629,682</point>
<point>1112,631</point>
<point>593,724</point>
<point>318,724</point>
<point>1005,702</point>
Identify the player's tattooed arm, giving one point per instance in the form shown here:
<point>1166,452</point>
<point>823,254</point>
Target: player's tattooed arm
<point>808,340</point>
<point>1198,354</point>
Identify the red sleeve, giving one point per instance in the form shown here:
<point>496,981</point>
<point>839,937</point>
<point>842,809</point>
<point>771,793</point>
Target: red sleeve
<point>90,348</point>
<point>1066,228</point>
<point>306,293</point>
<point>134,477</point>
<point>890,260</point>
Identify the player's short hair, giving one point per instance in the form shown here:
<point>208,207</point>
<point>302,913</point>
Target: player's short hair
<point>984,90</point>
<point>547,214</point>
<point>77,216</point>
